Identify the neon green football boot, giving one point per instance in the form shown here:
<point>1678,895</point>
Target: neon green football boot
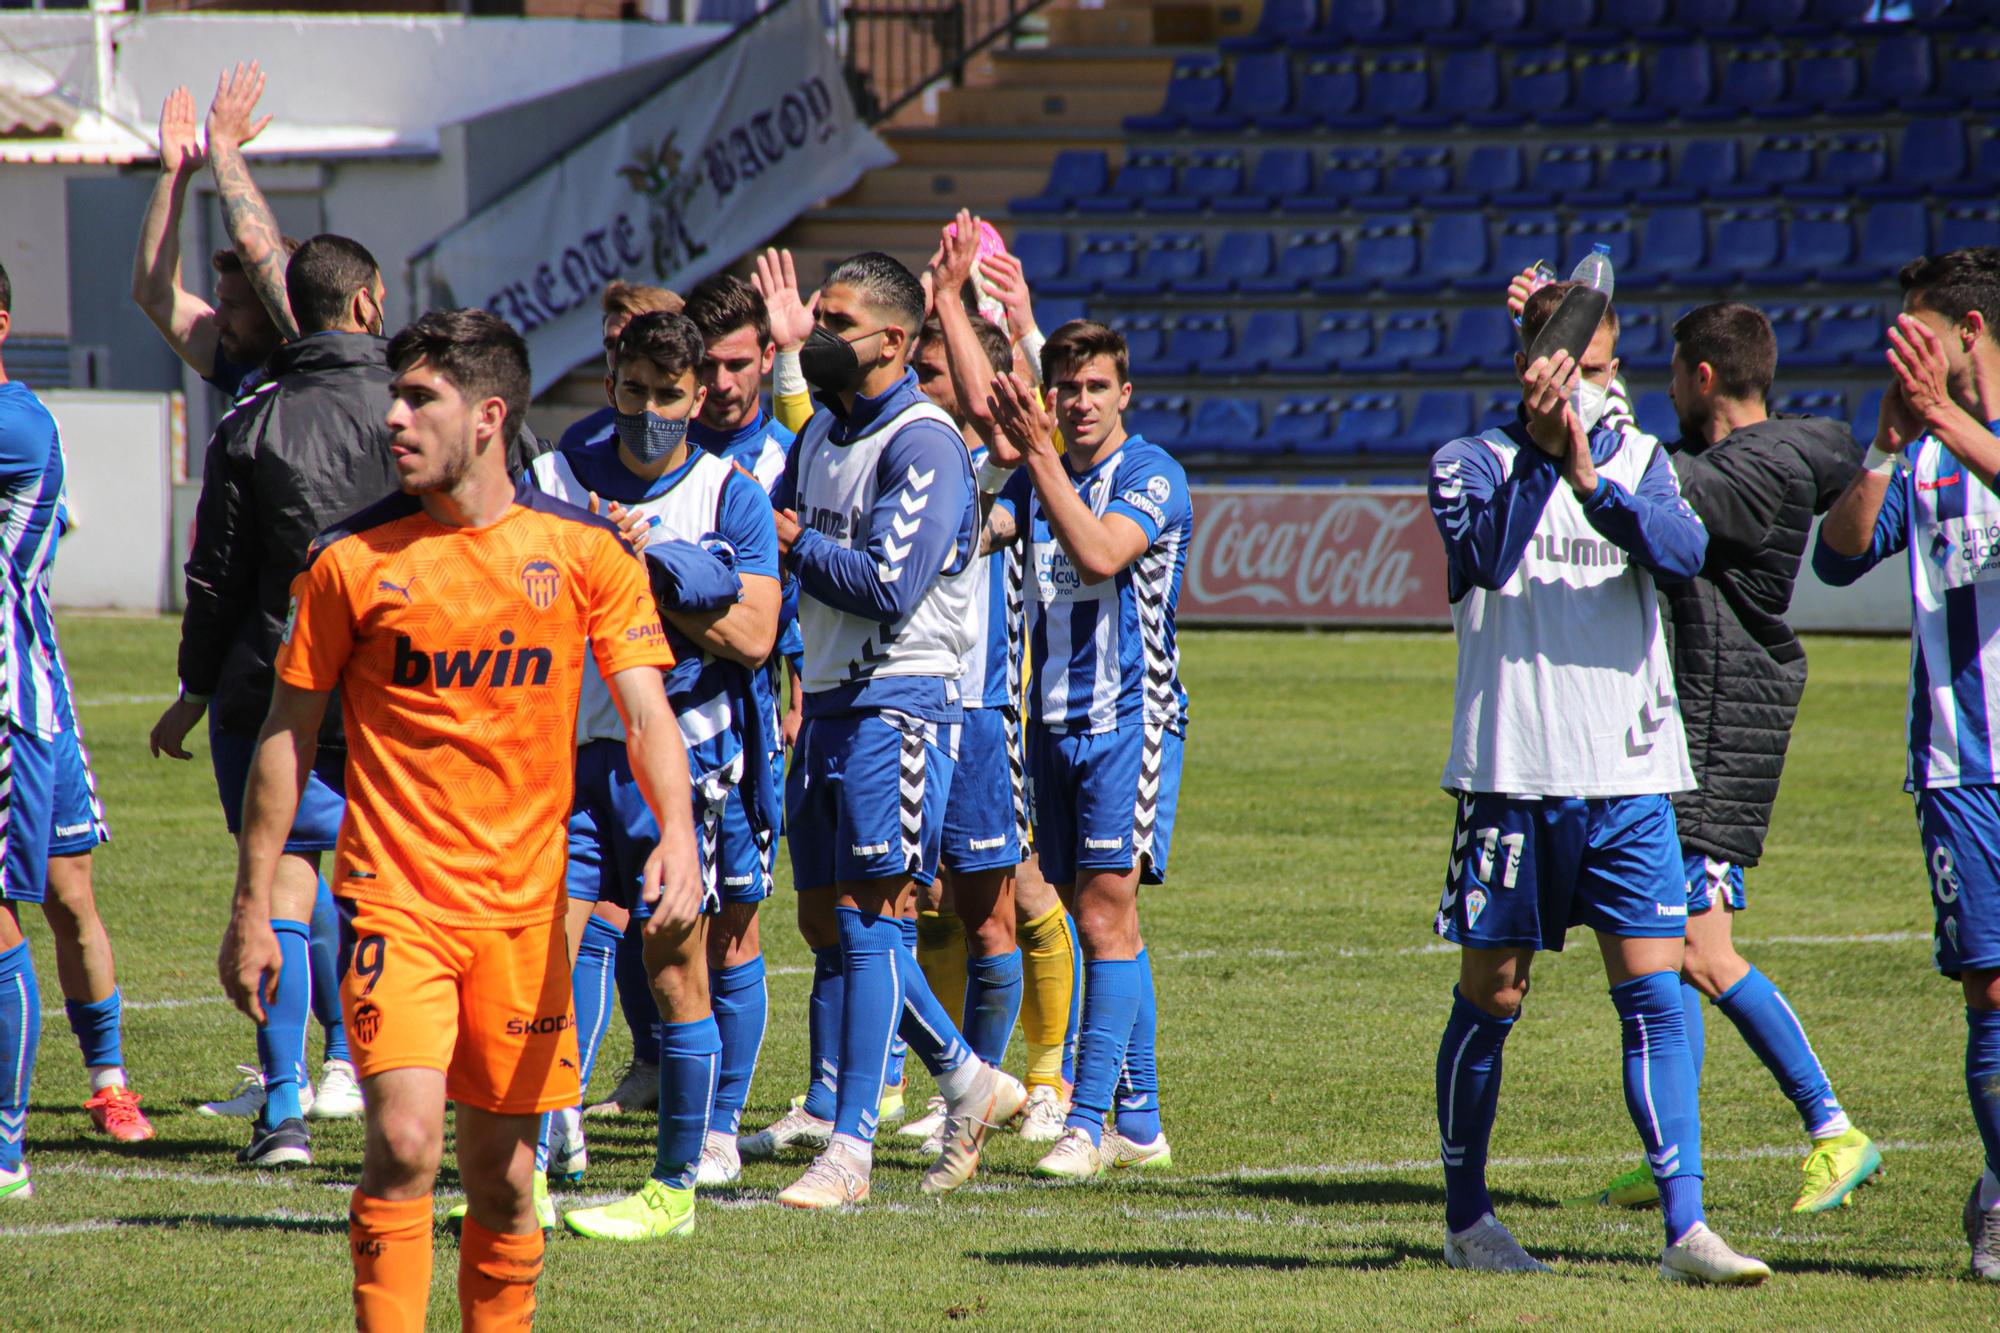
<point>656,1212</point>
<point>1834,1169</point>
<point>545,1208</point>
<point>1633,1189</point>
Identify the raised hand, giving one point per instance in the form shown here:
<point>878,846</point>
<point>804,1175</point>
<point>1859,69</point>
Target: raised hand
<point>777,281</point>
<point>232,115</point>
<point>1004,280</point>
<point>1026,425</point>
<point>1524,285</point>
<point>958,250</point>
<point>1916,355</point>
<point>180,134</point>
<point>1545,390</point>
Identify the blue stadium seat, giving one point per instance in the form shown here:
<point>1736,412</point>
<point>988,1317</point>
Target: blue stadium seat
<point>1398,83</point>
<point>1196,87</point>
<point>1971,73</point>
<point>1612,229</point>
<point>1441,415</point>
<point>1499,409</point>
<point>1228,425</point>
<point>1173,259</point>
<point>1656,416</point>
<point>1344,174</point>
<point>1868,415</point>
<point>1641,342</point>
<point>1830,403</point>
<point>1483,339</point>
<point>1044,257</point>
<point>1826,74</point>
<point>1679,78</point>
<point>1523,239</point>
<point>1899,70</point>
<point>1402,337</point>
<point>1564,169</point>
<point>1701,15</point>
<point>1417,19</point>
<point>1144,335</point>
<point>1281,23</point>
<point>1538,87</point>
<point>1969,224</point>
<point>1634,166</point>
<point>1101,258</point>
<point>1986,155</point>
<point>1240,257</point>
<point>1929,155</point>
<point>1308,258</point>
<point>1849,163</point>
<point>1780,162</point>
<point>1148,174</point>
<point>1494,17</point>
<point>1838,13</point>
<point>1208,176</point>
<point>1562,17</point>
<point>1280,173</point>
<point>1893,233</point>
<point>1455,250</point>
<point>1844,335</point>
<point>1329,95</point>
<point>1368,420</point>
<point>1770,13</point>
<point>1260,86</point>
<point>1489,170</point>
<point>1746,245</point>
<point>1160,419</point>
<point>1673,245</point>
<point>1337,337</point>
<point>1193,341</point>
<point>1422,172</point>
<point>1754,81</point>
<point>1608,81</point>
<point>1075,174</point>
<point>1357,18</point>
<point>1268,336</point>
<point>1056,311</point>
<point>1301,423</point>
<point>1819,241</point>
<point>1383,252</point>
<point>1468,88</point>
<point>1706,167</point>
<point>1791,325</point>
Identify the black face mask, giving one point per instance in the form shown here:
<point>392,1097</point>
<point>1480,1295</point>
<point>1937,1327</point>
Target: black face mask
<point>828,362</point>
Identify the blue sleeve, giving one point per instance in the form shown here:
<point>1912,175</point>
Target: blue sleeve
<point>686,577</point>
<point>27,438</point>
<point>1891,535</point>
<point>1653,523</point>
<point>1151,490</point>
<point>748,526</point>
<point>226,375</point>
<point>1014,495</point>
<point>920,526</point>
<point>1486,513</point>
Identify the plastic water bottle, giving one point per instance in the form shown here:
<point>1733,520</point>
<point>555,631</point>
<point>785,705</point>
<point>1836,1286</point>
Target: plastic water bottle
<point>1594,270</point>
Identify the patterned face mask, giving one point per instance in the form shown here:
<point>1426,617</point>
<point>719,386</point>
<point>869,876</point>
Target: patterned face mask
<point>650,438</point>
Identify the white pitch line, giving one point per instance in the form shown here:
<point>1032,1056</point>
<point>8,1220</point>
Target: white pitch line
<point>185,1002</point>
<point>106,700</point>
<point>1338,1169</point>
<point>1442,946</point>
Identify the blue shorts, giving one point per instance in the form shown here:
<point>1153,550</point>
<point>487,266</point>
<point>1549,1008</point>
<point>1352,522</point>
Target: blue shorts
<point>316,826</point>
<point>50,809</point>
<point>988,805</point>
<point>865,798</point>
<point>612,831</point>
<point>1961,833</point>
<point>743,857</point>
<point>1104,800</point>
<point>1524,871</point>
<point>1712,883</point>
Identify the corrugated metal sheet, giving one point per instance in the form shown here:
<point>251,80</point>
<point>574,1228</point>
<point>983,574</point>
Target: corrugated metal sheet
<point>25,116</point>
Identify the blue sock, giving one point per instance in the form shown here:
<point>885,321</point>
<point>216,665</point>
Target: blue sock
<point>1139,1082</point>
<point>1759,1011</point>
<point>96,1025</point>
<point>1468,1098</point>
<point>899,1049</point>
<point>590,983</point>
<point>823,1016</point>
<point>20,1038</point>
<point>992,1004</point>
<point>742,1009</point>
<point>1982,1077</point>
<point>1075,1000</point>
<point>924,1025</point>
<point>690,1056</point>
<point>1110,1008</point>
<point>1660,1093</point>
<point>635,996</point>
<point>1696,1024</point>
<point>871,958</point>
<point>324,949</point>
<point>281,1041</point>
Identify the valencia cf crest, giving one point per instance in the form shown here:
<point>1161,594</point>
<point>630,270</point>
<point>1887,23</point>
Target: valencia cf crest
<point>367,1021</point>
<point>540,581</point>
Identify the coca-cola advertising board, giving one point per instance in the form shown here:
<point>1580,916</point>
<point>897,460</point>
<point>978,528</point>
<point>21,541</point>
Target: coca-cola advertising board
<point>1299,555</point>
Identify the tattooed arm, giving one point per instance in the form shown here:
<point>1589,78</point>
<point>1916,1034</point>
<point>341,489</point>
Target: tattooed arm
<point>252,229</point>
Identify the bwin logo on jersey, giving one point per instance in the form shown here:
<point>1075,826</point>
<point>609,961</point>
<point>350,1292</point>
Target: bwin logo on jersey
<point>1583,552</point>
<point>1475,904</point>
<point>463,669</point>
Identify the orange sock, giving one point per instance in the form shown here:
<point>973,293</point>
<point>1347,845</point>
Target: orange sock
<point>391,1243</point>
<point>496,1278</point>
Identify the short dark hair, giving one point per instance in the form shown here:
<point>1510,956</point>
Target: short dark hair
<point>1956,283</point>
<point>999,352</point>
<point>670,342</point>
<point>1737,343</point>
<point>723,303</point>
<point>226,260</point>
<point>1541,308</point>
<point>1077,342</point>
<point>477,351</point>
<point>323,276</point>
<point>883,282</point>
<point>633,299</point>
<point>6,292</point>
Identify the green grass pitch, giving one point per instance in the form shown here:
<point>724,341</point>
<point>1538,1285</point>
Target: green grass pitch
<point>1301,997</point>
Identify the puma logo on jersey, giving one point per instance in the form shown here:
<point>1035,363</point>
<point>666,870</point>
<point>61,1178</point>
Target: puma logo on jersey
<point>464,669</point>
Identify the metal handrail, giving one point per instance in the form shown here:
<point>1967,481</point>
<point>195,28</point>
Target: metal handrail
<point>895,49</point>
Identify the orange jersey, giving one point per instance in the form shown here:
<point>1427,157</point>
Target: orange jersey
<point>459,655</point>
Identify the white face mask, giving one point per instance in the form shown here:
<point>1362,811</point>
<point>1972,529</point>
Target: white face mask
<point>1589,401</point>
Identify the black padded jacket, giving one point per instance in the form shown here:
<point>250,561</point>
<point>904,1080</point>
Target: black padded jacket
<point>1739,668</point>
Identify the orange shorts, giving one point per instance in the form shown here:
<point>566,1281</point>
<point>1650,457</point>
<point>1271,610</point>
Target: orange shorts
<point>491,1008</point>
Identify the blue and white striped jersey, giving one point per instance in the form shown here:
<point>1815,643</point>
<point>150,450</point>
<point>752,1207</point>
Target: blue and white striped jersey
<point>992,676</point>
<point>712,504</point>
<point>1949,524</point>
<point>1104,654</point>
<point>31,487</point>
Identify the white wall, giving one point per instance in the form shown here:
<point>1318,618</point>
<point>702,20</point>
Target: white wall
<point>34,245</point>
<point>118,552</point>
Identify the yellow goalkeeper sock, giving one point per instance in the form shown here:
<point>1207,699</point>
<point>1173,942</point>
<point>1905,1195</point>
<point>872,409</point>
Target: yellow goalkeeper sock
<point>1048,966</point>
<point>941,954</point>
